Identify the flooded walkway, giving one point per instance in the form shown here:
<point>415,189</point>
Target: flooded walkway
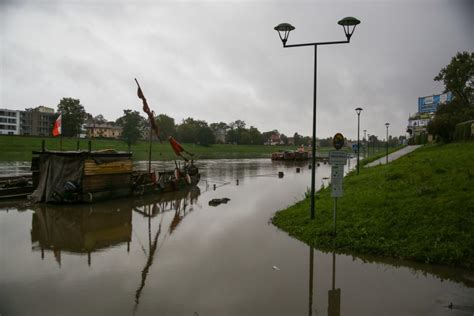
<point>177,255</point>
<point>393,156</point>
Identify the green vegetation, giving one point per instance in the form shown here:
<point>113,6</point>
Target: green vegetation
<point>73,116</point>
<point>458,77</point>
<point>19,148</point>
<point>419,207</point>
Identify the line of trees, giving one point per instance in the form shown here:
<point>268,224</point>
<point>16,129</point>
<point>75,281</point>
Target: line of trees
<point>135,127</point>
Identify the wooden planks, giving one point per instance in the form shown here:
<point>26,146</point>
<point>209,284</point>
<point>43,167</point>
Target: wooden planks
<point>106,182</point>
<point>116,167</point>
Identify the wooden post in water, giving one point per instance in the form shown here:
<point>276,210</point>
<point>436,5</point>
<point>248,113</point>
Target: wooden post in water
<point>89,144</point>
<point>42,145</point>
<point>77,146</point>
<point>149,153</point>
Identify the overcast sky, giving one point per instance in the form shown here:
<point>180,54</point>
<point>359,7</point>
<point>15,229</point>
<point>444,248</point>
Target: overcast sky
<point>222,60</point>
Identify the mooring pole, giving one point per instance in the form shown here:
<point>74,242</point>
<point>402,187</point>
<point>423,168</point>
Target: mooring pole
<point>77,145</point>
<point>149,153</point>
<point>42,145</point>
<point>61,142</point>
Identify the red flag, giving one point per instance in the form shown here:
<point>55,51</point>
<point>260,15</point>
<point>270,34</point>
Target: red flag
<point>57,130</point>
<point>146,109</point>
<point>177,148</point>
<point>140,93</point>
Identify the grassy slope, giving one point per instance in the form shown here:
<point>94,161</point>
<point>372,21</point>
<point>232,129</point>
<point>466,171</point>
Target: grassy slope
<point>18,148</point>
<point>419,207</point>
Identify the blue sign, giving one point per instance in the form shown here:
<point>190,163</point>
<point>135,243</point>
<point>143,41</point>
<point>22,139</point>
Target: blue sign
<point>430,104</point>
<point>354,148</point>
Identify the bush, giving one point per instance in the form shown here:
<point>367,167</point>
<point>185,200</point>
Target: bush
<point>463,131</point>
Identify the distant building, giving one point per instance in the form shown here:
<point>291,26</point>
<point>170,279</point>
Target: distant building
<point>105,130</point>
<point>9,122</point>
<point>38,121</point>
<point>427,106</point>
<point>291,141</point>
<point>219,134</point>
<point>274,139</point>
<point>418,123</point>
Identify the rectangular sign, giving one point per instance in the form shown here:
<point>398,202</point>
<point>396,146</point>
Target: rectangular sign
<point>337,175</point>
<point>430,103</point>
<point>337,157</point>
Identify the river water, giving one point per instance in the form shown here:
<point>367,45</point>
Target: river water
<point>176,255</point>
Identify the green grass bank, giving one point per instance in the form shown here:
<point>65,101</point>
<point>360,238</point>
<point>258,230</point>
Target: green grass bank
<point>19,148</point>
<point>419,207</point>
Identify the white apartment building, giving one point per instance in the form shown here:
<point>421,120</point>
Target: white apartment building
<point>9,122</point>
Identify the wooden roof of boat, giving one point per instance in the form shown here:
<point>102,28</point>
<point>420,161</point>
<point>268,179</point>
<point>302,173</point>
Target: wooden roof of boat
<point>76,153</point>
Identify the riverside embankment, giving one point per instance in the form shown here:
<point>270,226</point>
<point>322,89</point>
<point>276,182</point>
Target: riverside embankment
<point>419,207</point>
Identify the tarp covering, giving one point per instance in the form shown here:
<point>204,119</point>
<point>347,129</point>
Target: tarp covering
<point>55,172</point>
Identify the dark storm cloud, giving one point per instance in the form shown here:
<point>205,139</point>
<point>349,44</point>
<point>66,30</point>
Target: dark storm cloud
<point>222,61</point>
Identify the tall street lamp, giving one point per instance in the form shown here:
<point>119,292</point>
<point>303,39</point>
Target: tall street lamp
<point>386,125</point>
<point>358,110</point>
<point>348,24</point>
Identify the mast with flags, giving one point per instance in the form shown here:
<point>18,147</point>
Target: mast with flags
<point>57,130</point>
<point>151,118</point>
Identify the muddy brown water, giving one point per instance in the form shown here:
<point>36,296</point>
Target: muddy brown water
<point>176,255</point>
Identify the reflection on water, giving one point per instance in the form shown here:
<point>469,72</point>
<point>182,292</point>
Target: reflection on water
<point>174,254</point>
<point>79,229</point>
<point>181,203</point>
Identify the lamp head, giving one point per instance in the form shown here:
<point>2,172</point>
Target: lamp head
<point>284,30</point>
<point>387,124</point>
<point>358,110</point>
<point>349,24</point>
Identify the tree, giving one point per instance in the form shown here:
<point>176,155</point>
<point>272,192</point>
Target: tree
<point>73,116</point>
<point>99,119</point>
<point>458,77</point>
<point>446,118</point>
<point>195,131</point>
<point>254,135</point>
<point>298,139</point>
<point>131,123</point>
<point>205,136</point>
<point>166,126</point>
<point>218,126</point>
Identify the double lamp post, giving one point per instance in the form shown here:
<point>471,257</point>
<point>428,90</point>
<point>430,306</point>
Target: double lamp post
<point>349,24</point>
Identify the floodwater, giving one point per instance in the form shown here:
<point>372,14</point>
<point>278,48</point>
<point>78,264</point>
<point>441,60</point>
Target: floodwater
<point>176,255</point>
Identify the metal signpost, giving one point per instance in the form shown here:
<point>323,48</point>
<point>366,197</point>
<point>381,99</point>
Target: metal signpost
<point>337,160</point>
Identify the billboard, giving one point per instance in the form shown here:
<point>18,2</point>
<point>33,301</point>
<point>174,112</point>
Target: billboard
<point>430,103</point>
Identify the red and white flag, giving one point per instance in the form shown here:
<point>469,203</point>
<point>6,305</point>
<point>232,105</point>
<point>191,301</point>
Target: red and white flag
<point>57,126</point>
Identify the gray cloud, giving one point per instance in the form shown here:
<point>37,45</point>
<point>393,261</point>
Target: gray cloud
<point>222,61</point>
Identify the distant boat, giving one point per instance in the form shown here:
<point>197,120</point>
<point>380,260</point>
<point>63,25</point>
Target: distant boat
<point>299,154</point>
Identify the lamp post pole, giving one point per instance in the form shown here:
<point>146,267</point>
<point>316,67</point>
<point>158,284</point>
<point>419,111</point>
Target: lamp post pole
<point>358,110</point>
<point>284,29</point>
<point>386,125</point>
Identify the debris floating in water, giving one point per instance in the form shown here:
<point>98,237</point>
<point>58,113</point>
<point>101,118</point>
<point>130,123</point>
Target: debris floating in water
<point>276,268</point>
<point>215,202</point>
